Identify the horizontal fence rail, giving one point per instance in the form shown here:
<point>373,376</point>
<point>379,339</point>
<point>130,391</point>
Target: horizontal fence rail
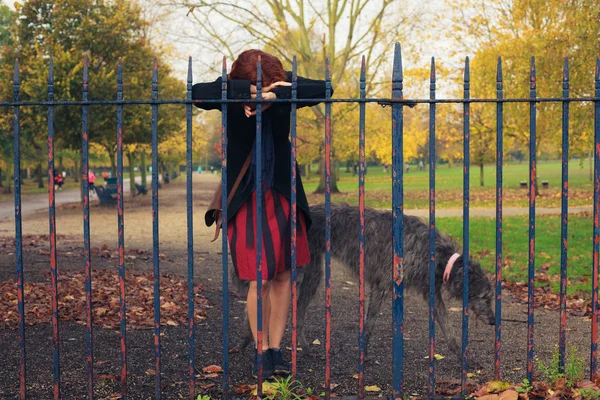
<point>396,270</point>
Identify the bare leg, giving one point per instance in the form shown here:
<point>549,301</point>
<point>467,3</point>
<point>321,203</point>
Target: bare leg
<point>253,311</point>
<point>281,295</point>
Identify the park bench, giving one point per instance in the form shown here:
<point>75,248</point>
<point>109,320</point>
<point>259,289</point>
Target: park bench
<point>141,189</point>
<point>545,184</point>
<point>107,194</point>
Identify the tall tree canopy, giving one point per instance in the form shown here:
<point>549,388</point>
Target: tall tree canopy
<point>312,30</point>
<point>68,31</point>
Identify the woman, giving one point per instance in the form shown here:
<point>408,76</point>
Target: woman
<point>276,183</point>
<point>91,181</point>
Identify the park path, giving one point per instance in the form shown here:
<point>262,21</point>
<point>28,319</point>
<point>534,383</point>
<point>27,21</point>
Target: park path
<point>31,203</point>
<point>39,201</point>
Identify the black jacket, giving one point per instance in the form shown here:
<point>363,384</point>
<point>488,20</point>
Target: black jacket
<point>241,132</point>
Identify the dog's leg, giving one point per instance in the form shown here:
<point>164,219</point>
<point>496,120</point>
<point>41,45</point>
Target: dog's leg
<point>377,296</point>
<point>246,338</point>
<point>441,316</point>
<point>307,288</point>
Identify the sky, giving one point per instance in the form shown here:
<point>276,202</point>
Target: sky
<point>176,32</point>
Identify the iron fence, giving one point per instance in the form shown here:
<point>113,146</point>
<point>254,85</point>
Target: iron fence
<point>397,103</point>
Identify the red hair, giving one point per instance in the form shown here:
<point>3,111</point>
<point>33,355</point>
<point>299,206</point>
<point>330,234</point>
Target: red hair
<point>244,67</point>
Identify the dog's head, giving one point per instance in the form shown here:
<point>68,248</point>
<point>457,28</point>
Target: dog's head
<point>481,292</point>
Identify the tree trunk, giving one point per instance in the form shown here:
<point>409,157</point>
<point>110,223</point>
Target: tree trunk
<point>39,176</point>
<point>77,171</point>
<point>481,174</point>
<point>28,173</point>
<point>591,166</point>
<point>130,160</point>
<point>113,165</point>
<point>333,184</point>
<point>143,167</point>
<point>8,187</point>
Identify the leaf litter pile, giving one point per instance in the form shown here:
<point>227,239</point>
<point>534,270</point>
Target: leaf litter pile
<point>560,388</point>
<point>139,288</point>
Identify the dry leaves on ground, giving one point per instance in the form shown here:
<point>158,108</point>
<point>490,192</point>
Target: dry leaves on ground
<point>139,288</point>
<point>545,298</point>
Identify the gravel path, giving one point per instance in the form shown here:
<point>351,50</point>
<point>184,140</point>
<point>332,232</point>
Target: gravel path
<point>138,231</point>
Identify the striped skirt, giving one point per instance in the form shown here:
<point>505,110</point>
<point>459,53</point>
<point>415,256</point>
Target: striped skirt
<point>276,237</point>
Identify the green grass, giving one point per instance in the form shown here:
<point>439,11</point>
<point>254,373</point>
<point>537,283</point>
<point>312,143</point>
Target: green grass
<point>482,237</point>
<point>449,186</point>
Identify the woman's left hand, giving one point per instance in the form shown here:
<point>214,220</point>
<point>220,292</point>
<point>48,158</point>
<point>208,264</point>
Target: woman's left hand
<point>250,109</point>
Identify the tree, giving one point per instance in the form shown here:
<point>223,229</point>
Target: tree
<point>6,23</point>
<point>548,30</point>
<point>102,32</point>
<point>339,30</point>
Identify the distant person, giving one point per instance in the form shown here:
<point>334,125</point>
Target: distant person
<point>91,180</point>
<point>407,166</point>
<point>105,175</point>
<point>58,181</point>
<point>212,169</point>
<point>421,166</point>
<point>199,170</point>
<point>385,168</point>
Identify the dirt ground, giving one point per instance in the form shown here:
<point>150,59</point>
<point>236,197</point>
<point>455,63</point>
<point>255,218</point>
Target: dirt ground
<point>138,236</point>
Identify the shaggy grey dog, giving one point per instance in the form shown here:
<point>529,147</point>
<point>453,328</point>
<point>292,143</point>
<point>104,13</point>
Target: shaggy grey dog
<point>378,267</point>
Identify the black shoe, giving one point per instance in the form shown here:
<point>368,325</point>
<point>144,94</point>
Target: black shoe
<point>280,367</point>
<point>267,365</point>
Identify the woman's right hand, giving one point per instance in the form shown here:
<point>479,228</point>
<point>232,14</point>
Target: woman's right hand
<point>267,89</point>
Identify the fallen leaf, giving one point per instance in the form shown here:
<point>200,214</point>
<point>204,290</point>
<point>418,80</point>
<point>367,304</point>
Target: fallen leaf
<point>243,388</point>
<point>373,388</point>
<point>509,395</point>
<point>438,357</point>
<point>471,375</point>
<point>316,341</point>
<point>268,388</point>
<point>212,369</point>
<point>455,309</point>
<point>355,376</point>
<point>150,372</point>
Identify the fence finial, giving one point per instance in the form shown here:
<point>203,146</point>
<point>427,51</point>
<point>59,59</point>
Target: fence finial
<point>499,74</point>
<point>532,77</point>
<point>16,79</point>
<point>397,75</point>
<point>120,75</point>
<point>189,74</point>
<point>51,75</point>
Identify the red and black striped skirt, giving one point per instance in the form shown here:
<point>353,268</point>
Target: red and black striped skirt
<point>276,237</point>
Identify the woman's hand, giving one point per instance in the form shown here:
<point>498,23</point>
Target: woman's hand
<point>268,89</point>
<point>267,94</point>
<point>250,108</point>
